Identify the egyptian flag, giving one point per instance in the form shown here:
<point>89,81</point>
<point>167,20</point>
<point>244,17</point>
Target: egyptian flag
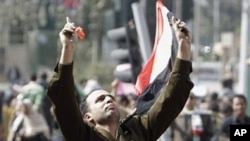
<point>154,75</point>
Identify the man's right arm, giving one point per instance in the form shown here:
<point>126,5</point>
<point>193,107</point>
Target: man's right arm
<point>62,94</point>
<point>61,91</point>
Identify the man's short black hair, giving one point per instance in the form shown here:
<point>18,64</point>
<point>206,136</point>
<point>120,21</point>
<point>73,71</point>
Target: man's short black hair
<point>84,107</point>
<point>241,96</point>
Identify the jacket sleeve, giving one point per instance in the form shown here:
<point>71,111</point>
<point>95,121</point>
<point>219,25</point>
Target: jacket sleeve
<point>62,93</point>
<point>170,102</point>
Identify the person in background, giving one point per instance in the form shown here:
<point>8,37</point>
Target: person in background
<point>83,83</point>
<point>13,74</point>
<point>226,110</point>
<point>1,116</point>
<point>28,125</point>
<point>92,84</point>
<point>46,103</point>
<point>43,81</point>
<point>33,91</point>
<point>123,105</point>
<point>183,126</point>
<point>126,103</point>
<point>239,116</point>
<point>227,88</point>
<point>8,112</point>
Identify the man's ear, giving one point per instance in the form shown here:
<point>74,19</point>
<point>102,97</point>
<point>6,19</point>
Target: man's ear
<point>88,117</point>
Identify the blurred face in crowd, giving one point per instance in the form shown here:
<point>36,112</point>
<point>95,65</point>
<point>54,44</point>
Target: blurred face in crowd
<point>102,107</point>
<point>239,106</point>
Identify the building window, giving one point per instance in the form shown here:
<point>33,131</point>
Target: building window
<point>16,32</point>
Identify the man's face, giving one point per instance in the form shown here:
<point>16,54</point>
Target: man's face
<point>102,106</point>
<point>239,106</point>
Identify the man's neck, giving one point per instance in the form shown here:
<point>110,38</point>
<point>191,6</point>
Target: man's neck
<point>111,128</point>
<point>240,117</point>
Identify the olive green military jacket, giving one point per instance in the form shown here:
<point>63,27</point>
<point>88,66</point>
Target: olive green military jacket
<point>148,127</point>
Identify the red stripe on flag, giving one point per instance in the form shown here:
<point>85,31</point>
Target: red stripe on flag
<point>143,78</point>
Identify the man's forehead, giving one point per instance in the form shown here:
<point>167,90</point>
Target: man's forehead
<point>93,95</point>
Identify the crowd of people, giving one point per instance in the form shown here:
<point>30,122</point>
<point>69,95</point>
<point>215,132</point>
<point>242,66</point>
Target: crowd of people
<point>28,107</point>
<point>57,108</point>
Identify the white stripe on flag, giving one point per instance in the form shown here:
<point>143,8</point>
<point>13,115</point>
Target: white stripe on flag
<point>163,46</point>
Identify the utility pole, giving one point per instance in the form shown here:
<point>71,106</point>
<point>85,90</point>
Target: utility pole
<point>143,5</point>
<point>178,9</point>
<point>142,31</point>
<point>216,20</point>
<point>196,29</point>
<point>243,48</point>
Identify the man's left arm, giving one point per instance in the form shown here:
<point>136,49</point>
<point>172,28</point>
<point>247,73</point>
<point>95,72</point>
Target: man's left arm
<point>175,93</point>
<point>171,100</point>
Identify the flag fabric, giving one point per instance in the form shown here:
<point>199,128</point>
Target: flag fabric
<point>154,75</point>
